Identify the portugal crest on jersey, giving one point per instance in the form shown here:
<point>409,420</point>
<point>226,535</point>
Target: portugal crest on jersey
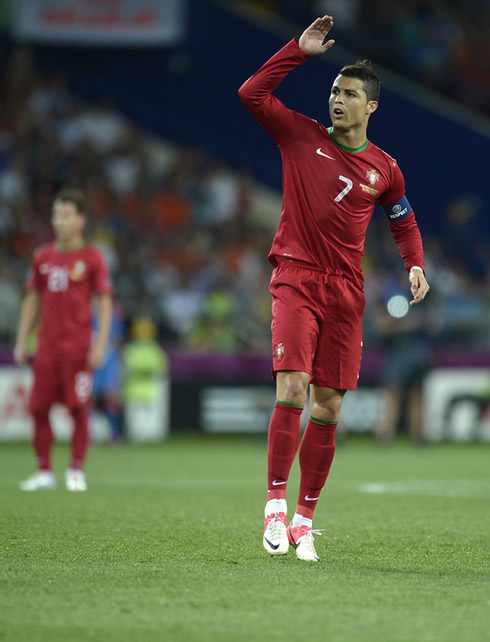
<point>78,271</point>
<point>372,176</point>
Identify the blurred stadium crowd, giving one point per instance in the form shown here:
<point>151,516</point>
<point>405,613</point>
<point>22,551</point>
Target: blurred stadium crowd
<point>442,44</point>
<point>179,234</point>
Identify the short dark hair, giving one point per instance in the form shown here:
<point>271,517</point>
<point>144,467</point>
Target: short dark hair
<point>75,196</point>
<point>363,70</point>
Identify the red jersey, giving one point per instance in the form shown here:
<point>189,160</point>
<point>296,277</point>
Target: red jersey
<point>66,281</point>
<point>329,190</point>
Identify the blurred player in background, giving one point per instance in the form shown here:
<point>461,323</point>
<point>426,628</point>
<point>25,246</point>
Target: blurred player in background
<point>65,276</point>
<point>108,379</point>
<point>332,180</point>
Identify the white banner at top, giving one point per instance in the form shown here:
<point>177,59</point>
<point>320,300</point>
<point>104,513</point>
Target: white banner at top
<point>100,22</point>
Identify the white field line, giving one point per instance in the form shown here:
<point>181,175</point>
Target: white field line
<point>433,487</point>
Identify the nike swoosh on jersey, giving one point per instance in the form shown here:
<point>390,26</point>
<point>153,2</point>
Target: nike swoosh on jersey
<point>311,499</point>
<point>276,483</point>
<point>273,546</point>
<point>319,151</point>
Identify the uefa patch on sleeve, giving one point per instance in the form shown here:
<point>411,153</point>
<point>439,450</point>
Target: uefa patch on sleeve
<point>398,210</point>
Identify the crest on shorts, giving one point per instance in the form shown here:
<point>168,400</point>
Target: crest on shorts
<point>372,176</point>
<point>279,351</point>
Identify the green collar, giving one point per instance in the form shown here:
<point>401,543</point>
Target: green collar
<point>63,248</point>
<point>344,148</point>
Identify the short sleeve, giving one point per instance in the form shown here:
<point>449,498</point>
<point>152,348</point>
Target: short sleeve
<point>34,279</point>
<point>101,279</point>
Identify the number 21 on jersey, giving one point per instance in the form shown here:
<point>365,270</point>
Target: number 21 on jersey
<point>58,279</point>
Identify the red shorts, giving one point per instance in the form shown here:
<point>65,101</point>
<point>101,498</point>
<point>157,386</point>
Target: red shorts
<point>60,381</point>
<point>317,325</point>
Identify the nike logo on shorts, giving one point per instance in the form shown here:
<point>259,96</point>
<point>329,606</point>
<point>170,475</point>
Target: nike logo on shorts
<point>276,483</point>
<point>320,153</point>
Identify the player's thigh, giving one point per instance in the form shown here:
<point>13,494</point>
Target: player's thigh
<point>338,356</point>
<point>295,326</point>
<point>47,384</point>
<point>77,383</point>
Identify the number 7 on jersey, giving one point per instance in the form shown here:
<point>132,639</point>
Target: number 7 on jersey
<point>346,190</point>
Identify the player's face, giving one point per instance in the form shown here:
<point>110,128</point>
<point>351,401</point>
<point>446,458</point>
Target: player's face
<point>348,103</point>
<point>67,222</point>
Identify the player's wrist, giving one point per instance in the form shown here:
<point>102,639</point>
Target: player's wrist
<point>416,267</point>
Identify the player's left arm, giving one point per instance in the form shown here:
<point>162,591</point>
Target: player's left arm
<point>102,290</point>
<point>98,350</point>
<point>407,235</point>
<point>409,241</point>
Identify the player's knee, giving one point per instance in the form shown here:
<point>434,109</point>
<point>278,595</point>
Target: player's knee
<point>39,414</point>
<point>295,392</point>
<point>327,410</point>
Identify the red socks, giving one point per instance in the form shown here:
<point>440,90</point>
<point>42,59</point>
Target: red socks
<point>315,458</point>
<point>43,439</point>
<point>284,431</point>
<point>80,439</point>
<point>315,455</point>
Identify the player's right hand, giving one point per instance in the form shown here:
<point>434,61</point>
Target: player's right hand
<point>311,41</point>
<point>20,354</point>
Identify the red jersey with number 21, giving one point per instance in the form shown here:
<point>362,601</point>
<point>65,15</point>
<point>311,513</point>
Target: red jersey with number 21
<point>67,280</point>
<point>330,191</point>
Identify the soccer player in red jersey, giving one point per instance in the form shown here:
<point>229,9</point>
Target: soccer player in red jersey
<point>332,179</point>
<point>65,276</point>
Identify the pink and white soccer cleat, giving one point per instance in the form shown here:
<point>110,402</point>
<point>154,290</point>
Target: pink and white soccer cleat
<point>275,534</point>
<point>301,538</point>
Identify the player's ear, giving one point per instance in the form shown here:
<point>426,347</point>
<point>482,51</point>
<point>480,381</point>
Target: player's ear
<point>371,107</point>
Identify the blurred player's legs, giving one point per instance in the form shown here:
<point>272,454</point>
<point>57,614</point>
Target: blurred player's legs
<point>43,439</point>
<point>42,442</point>
<point>77,389</point>
<point>68,382</point>
<point>80,438</point>
<point>45,391</point>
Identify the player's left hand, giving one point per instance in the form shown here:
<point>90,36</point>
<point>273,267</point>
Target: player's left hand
<point>96,357</point>
<point>418,286</point>
<point>311,41</point>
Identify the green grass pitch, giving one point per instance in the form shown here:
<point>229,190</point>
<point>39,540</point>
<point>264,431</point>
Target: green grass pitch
<point>167,546</point>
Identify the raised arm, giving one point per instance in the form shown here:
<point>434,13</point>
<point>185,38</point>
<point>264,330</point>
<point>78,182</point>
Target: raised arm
<point>256,93</point>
